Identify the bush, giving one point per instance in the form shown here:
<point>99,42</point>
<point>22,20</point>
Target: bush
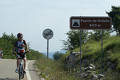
<point>57,56</point>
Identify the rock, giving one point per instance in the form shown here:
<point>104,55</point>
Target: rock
<point>90,73</point>
<point>86,69</point>
<point>92,66</point>
<point>100,76</point>
<point>95,77</point>
<point>84,75</point>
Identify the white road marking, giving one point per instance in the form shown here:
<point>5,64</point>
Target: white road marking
<point>27,71</point>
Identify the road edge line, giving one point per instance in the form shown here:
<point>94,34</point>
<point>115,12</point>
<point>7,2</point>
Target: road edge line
<point>27,72</point>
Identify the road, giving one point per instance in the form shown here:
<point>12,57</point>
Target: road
<point>8,66</point>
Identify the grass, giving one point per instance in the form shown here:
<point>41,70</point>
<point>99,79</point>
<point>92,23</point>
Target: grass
<point>52,70</point>
<point>93,48</point>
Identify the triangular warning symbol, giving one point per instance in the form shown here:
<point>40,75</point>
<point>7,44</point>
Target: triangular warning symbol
<point>75,24</point>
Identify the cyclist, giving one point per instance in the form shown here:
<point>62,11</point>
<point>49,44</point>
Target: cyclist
<point>20,48</point>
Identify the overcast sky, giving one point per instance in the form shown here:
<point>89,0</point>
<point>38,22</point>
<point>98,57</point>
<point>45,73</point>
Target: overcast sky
<point>31,17</point>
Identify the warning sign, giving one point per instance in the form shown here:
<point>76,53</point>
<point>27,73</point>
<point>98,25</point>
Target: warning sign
<point>75,22</point>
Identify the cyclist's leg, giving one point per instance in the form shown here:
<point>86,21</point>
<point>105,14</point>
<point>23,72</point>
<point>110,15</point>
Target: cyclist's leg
<point>24,63</point>
<point>18,60</point>
<point>17,63</point>
<point>24,59</point>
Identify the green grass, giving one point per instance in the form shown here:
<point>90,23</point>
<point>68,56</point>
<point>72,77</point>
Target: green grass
<point>92,48</point>
<point>52,70</point>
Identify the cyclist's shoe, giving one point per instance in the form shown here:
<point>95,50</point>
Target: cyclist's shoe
<point>24,72</point>
<point>16,70</point>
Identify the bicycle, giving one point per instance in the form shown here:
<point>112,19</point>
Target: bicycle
<point>20,68</point>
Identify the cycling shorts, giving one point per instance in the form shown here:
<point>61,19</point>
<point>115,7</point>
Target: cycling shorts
<point>21,55</point>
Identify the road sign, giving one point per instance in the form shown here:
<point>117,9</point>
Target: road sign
<point>47,33</point>
<point>90,22</point>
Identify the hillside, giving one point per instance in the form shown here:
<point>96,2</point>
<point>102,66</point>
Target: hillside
<point>92,50</point>
<point>107,63</point>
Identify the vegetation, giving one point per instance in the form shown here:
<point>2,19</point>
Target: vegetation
<point>53,70</point>
<point>57,55</point>
<point>109,62</point>
<point>115,15</point>
<point>74,39</point>
<point>96,35</point>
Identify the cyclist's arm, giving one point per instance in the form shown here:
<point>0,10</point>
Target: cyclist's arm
<point>26,46</point>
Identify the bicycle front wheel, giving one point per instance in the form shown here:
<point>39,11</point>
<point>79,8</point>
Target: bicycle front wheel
<point>21,72</point>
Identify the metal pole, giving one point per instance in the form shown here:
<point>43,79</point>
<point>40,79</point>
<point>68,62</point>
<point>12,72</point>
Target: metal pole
<point>47,48</point>
<point>80,51</point>
<point>102,51</point>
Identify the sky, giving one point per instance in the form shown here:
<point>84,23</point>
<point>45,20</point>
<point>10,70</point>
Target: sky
<point>32,17</point>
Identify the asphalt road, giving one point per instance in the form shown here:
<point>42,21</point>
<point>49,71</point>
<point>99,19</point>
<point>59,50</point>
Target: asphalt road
<point>8,66</point>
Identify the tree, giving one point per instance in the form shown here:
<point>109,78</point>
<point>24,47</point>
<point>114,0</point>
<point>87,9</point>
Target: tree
<point>115,15</point>
<point>73,40</point>
<point>96,34</point>
<point>57,55</point>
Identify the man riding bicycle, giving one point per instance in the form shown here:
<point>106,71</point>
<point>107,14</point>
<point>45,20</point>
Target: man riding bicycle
<point>20,48</point>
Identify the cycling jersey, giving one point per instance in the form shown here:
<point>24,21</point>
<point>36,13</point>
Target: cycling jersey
<point>20,45</point>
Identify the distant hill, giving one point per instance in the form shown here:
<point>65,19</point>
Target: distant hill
<point>52,53</point>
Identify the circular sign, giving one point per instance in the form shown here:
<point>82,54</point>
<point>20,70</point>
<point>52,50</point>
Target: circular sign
<point>47,33</point>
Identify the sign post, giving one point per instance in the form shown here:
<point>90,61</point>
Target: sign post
<point>102,50</point>
<point>90,23</point>
<point>80,49</point>
<point>48,34</point>
<point>47,48</point>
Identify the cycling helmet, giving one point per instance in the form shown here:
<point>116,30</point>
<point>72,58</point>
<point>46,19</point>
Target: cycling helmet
<point>19,35</point>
